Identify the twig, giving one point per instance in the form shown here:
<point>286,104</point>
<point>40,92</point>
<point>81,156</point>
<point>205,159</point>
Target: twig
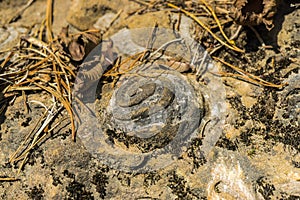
<point>152,38</point>
<point>9,179</point>
<point>49,20</point>
<point>6,61</point>
<point>25,102</point>
<point>142,2</point>
<point>115,18</point>
<point>247,76</point>
<point>13,157</point>
<point>37,138</point>
<point>65,102</point>
<point>231,42</point>
<point>235,35</point>
<point>295,5</point>
<point>165,45</point>
<point>206,28</point>
<point>260,39</point>
<point>42,44</point>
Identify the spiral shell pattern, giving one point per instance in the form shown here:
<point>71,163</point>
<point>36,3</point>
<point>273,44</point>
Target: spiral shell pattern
<point>146,118</point>
<point>155,109</point>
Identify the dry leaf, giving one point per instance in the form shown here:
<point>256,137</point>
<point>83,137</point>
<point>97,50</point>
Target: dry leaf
<point>255,12</point>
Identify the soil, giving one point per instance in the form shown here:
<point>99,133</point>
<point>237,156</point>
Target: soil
<point>257,155</point>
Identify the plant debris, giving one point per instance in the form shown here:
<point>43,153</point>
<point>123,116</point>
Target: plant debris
<point>43,63</point>
<point>255,12</point>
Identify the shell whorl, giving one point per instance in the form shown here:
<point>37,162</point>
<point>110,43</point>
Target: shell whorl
<point>145,118</point>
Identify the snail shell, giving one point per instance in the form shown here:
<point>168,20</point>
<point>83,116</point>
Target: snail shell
<point>147,118</point>
<point>154,107</point>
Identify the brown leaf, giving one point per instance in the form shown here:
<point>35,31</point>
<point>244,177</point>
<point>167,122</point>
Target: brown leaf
<point>255,12</point>
<point>77,49</point>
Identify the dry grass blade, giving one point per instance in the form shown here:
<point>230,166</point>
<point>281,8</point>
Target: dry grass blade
<point>26,74</point>
<point>9,179</point>
<point>142,2</point>
<point>134,58</point>
<point>114,19</point>
<point>43,45</point>
<point>22,146</point>
<point>141,57</point>
<point>49,20</point>
<point>206,28</point>
<point>57,78</point>
<point>65,103</point>
<point>231,42</point>
<point>20,88</point>
<point>40,63</point>
<point>36,51</point>
<point>247,76</point>
<point>6,61</point>
<point>28,144</point>
<point>38,136</point>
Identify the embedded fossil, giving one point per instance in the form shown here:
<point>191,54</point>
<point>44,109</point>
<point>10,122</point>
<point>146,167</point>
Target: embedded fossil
<point>144,120</point>
<point>147,118</point>
<point>154,105</point>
